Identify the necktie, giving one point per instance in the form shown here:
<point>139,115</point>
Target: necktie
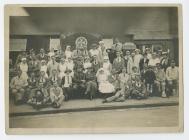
<point>68,79</point>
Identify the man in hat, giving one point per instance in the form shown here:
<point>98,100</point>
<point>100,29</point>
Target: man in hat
<point>67,84</point>
<point>56,95</point>
<point>91,85</point>
<point>118,63</point>
<point>42,55</point>
<point>172,76</point>
<point>17,87</point>
<point>165,61</point>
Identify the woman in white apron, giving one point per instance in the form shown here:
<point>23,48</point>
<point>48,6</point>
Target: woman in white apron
<point>44,67</point>
<point>107,65</point>
<point>24,69</point>
<point>104,86</point>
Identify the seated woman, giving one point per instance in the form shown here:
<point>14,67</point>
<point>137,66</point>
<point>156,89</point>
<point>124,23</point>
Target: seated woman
<point>91,85</point>
<point>56,95</point>
<point>17,87</point>
<point>104,86</point>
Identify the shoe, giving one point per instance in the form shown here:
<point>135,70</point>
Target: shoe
<point>104,101</point>
<point>163,95</point>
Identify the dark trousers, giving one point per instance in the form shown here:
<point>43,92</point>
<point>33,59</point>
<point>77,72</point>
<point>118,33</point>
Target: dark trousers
<point>67,93</point>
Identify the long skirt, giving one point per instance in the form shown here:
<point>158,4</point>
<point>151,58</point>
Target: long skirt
<point>106,87</point>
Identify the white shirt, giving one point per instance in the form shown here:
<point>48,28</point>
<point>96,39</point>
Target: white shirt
<point>153,62</point>
<point>172,73</point>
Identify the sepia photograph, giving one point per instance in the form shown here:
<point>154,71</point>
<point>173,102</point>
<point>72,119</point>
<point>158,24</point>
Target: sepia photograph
<point>93,69</point>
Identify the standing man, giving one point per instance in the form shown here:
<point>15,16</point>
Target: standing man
<point>127,57</point>
<point>118,63</point>
<point>165,61</point>
<point>42,55</point>
<point>143,61</point>
<point>131,63</point>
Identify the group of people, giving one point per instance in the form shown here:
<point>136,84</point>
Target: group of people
<point>116,74</point>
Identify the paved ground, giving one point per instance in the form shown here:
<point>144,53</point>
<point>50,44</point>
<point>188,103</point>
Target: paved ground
<point>141,117</point>
<point>96,104</point>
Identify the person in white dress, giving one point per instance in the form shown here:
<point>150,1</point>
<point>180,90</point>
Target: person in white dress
<point>131,63</point>
<point>107,65</point>
<point>69,63</point>
<point>62,67</point>
<point>104,86</point>
<point>137,58</point>
<point>23,66</point>
<point>68,52</point>
<point>43,67</point>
